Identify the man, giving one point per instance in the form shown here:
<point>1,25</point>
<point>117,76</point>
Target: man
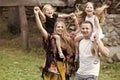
<point>88,68</point>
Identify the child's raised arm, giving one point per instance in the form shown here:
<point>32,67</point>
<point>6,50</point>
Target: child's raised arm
<point>77,27</point>
<point>40,13</point>
<point>98,27</point>
<point>39,24</point>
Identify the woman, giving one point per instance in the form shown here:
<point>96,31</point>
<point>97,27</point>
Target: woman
<point>53,58</point>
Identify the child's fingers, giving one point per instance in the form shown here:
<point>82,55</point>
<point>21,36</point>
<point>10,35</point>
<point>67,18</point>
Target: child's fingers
<point>36,8</point>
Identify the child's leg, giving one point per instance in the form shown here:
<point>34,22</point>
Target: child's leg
<point>58,44</point>
<point>94,45</point>
<point>95,52</point>
<point>95,48</point>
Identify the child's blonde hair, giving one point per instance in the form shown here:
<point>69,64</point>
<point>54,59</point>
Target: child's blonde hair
<point>46,6</point>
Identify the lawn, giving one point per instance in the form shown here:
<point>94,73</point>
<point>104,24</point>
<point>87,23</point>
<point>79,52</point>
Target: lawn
<point>110,71</point>
<point>19,65</point>
<point>15,64</point>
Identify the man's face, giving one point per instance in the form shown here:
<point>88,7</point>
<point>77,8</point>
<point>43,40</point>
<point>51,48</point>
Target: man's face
<point>86,30</point>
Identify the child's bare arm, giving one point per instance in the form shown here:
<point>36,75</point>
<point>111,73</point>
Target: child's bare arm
<point>73,16</point>
<point>77,27</point>
<point>40,13</point>
<point>39,24</point>
<point>42,16</point>
<point>97,24</point>
<point>63,15</point>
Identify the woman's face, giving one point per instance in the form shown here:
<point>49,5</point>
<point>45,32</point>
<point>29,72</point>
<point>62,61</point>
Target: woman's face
<point>60,28</point>
<point>89,9</point>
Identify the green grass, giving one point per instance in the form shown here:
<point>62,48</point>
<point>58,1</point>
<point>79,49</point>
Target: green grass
<point>19,65</point>
<point>15,64</point>
<point>110,71</point>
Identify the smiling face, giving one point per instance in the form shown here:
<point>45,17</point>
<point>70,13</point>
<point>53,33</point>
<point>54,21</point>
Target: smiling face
<point>60,28</point>
<point>89,8</point>
<point>86,29</point>
<point>48,10</point>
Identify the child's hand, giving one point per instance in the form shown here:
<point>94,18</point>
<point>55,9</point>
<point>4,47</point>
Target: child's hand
<point>72,15</point>
<point>96,36</point>
<point>36,10</point>
<point>62,56</point>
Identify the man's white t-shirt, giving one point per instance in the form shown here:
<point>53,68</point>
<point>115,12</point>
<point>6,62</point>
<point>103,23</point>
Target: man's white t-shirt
<point>87,65</point>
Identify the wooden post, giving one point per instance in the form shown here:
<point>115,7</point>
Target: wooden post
<point>24,27</point>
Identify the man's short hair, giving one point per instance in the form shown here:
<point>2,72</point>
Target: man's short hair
<point>88,23</point>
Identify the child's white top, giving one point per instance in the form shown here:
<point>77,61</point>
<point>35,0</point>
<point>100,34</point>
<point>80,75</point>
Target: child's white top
<point>92,20</point>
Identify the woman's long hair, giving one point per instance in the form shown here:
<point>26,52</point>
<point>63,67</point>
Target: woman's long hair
<point>65,37</point>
